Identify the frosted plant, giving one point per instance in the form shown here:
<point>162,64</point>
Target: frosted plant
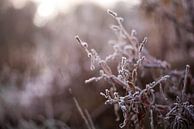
<point>181,114</point>
<point>139,100</point>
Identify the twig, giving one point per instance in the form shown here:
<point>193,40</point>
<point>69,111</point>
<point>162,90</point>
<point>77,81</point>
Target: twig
<point>86,117</point>
<point>151,119</point>
<point>185,79</point>
<point>81,113</point>
<point>89,119</point>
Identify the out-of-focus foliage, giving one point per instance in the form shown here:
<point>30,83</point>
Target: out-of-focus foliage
<point>171,29</point>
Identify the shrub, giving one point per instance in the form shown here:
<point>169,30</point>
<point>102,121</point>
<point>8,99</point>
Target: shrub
<point>165,101</point>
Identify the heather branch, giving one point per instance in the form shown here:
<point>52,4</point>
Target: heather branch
<point>135,104</point>
<point>119,20</point>
<point>153,84</point>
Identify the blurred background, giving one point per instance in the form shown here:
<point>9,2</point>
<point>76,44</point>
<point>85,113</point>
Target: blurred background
<point>40,59</point>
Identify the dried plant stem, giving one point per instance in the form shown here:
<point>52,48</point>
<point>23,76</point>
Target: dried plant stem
<point>86,117</point>
<point>122,29</point>
<point>162,92</point>
<point>81,113</point>
<point>151,119</point>
<point>159,81</point>
<point>185,79</point>
<point>89,119</point>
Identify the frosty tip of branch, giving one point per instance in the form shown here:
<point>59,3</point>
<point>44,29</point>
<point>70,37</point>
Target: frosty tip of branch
<point>133,32</point>
<point>78,39</point>
<point>112,13</point>
<point>83,44</point>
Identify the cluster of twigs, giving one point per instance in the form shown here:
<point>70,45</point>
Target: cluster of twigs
<point>140,100</point>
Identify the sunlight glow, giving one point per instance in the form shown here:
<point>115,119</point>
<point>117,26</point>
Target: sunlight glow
<point>48,9</point>
<point>110,3</point>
